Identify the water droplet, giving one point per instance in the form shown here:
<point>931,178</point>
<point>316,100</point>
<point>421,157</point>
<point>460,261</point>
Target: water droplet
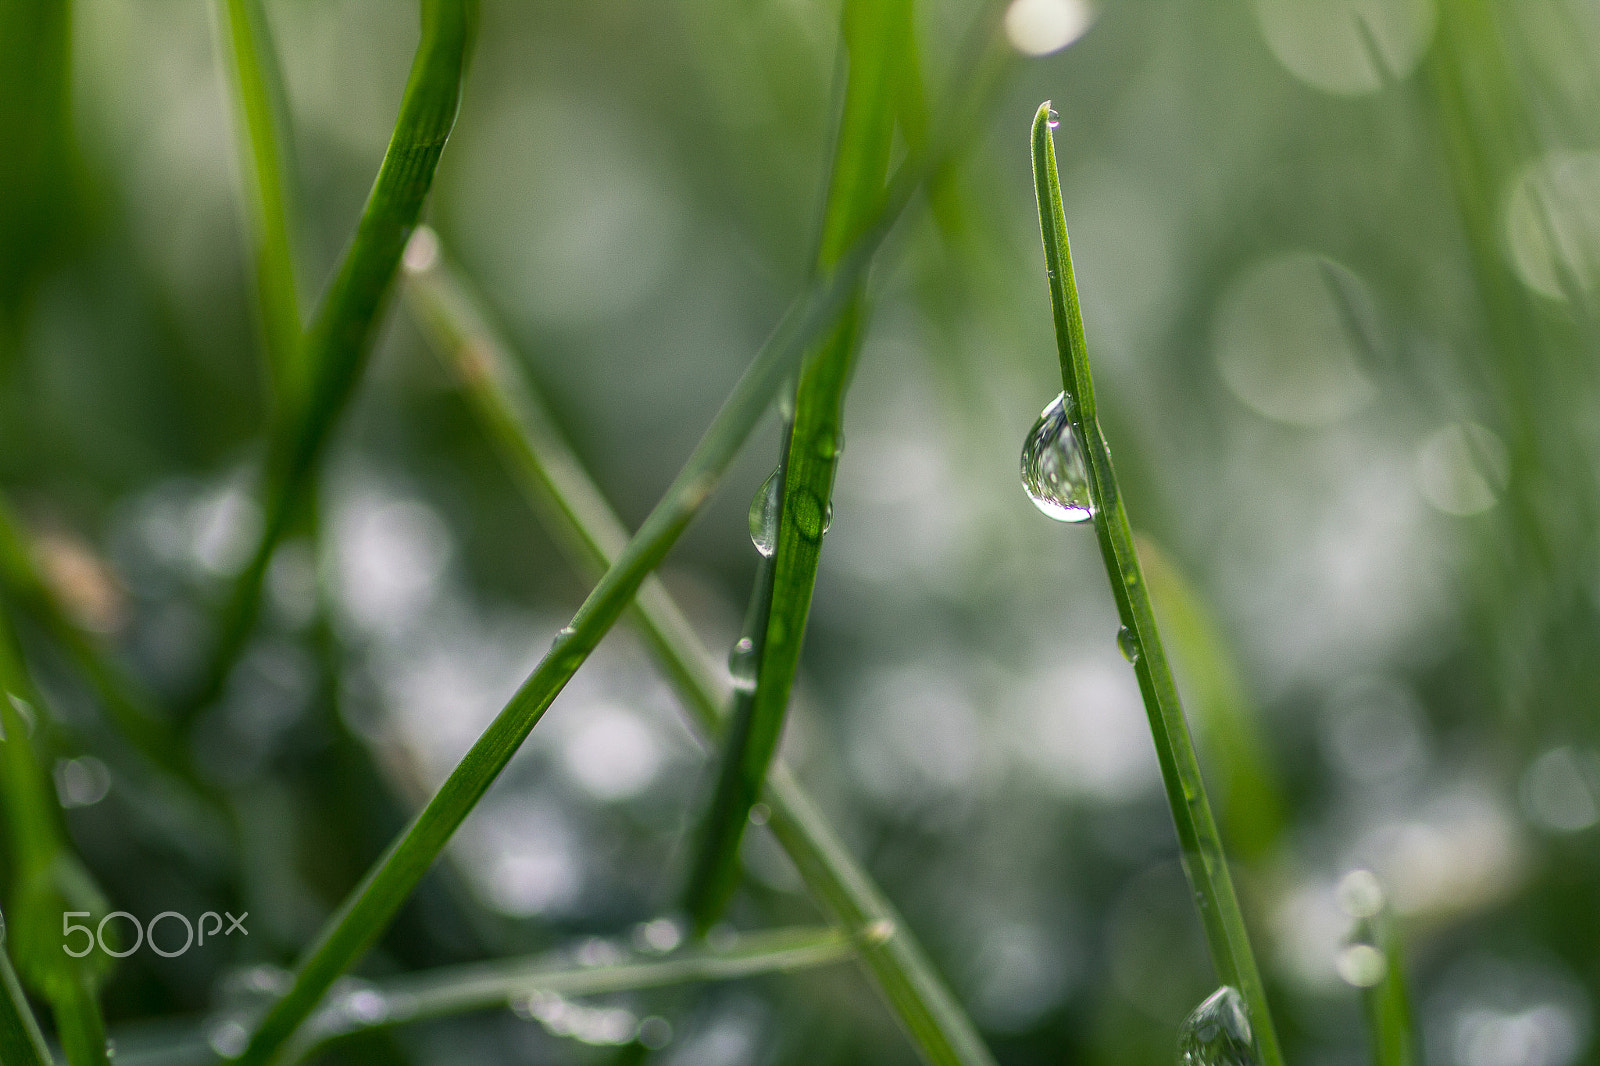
<point>878,932</point>
<point>1128,644</point>
<point>1360,894</point>
<point>742,663</point>
<point>1053,471</point>
<point>764,515</point>
<point>829,442</point>
<point>812,516</point>
<point>760,814</point>
<point>1218,1032</point>
<point>1054,120</point>
<point>564,634</point>
<point>366,1006</point>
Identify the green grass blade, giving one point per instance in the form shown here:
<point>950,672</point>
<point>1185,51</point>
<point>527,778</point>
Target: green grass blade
<point>577,514</point>
<point>342,333</point>
<point>256,93</point>
<point>47,880</point>
<point>358,923</point>
<point>1374,963</point>
<point>21,1042</point>
<point>876,37</point>
<point>1203,857</point>
<point>493,985</point>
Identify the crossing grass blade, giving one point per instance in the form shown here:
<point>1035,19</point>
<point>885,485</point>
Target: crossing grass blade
<point>877,37</point>
<point>47,881</point>
<point>578,516</point>
<point>245,47</point>
<point>342,333</point>
<point>1202,852</point>
<point>492,985</point>
<point>362,918</point>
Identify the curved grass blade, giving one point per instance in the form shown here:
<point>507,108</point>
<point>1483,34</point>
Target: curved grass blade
<point>245,48</point>
<point>342,333</point>
<point>578,516</point>
<point>876,37</point>
<point>495,985</point>
<point>1203,857</point>
<point>21,1042</point>
<point>47,879</point>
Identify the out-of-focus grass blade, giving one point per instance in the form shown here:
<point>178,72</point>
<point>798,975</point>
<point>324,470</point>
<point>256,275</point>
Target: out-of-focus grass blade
<point>577,514</point>
<point>876,37</point>
<point>1203,857</point>
<point>492,985</point>
<point>35,89</point>
<point>47,880</point>
<point>130,709</point>
<point>1372,961</point>
<point>21,1042</point>
<point>245,50</point>
<point>1251,798</point>
<point>343,330</point>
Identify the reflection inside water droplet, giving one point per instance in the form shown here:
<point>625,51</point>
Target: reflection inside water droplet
<point>764,515</point>
<point>1218,1032</point>
<point>1053,470</point>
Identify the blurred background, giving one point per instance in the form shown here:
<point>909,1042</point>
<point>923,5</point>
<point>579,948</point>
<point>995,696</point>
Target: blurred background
<point>1340,263</point>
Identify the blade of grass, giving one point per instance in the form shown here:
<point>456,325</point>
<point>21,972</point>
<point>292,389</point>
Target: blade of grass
<point>494,985</point>
<point>257,100</point>
<point>577,514</point>
<point>1374,963</point>
<point>47,880</point>
<point>365,913</point>
<point>342,333</point>
<point>875,37</point>
<point>21,1042</point>
<point>1203,857</point>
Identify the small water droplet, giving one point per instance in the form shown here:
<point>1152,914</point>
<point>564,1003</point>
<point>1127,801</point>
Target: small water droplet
<point>564,634</point>
<point>764,515</point>
<point>742,663</point>
<point>1053,120</point>
<point>812,516</point>
<point>111,1048</point>
<point>366,1006</point>
<point>1218,1032</point>
<point>1053,470</point>
<point>760,814</point>
<point>1128,644</point>
<point>878,932</point>
<point>655,1033</point>
<point>829,442</point>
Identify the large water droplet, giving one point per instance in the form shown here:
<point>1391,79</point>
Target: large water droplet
<point>829,442</point>
<point>1053,471</point>
<point>1218,1032</point>
<point>1128,644</point>
<point>764,515</point>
